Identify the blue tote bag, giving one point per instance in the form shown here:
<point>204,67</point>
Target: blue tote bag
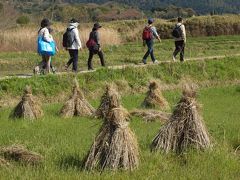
<point>46,48</point>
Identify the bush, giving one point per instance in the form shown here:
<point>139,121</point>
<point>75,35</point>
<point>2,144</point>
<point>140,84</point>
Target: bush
<point>23,20</point>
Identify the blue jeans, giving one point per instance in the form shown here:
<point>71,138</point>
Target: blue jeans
<point>150,51</point>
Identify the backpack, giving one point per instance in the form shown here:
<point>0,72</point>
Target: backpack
<point>147,34</point>
<point>177,32</point>
<point>68,38</point>
<point>90,43</point>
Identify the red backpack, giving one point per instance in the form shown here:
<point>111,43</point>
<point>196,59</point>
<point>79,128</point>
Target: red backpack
<point>91,43</point>
<point>147,34</point>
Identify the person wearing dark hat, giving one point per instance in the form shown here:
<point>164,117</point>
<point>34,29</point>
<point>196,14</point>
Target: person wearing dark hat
<point>148,36</point>
<point>94,46</point>
<point>75,46</point>
<point>180,39</point>
<point>44,32</point>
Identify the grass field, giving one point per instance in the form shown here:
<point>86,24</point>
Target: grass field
<point>23,62</point>
<point>64,143</point>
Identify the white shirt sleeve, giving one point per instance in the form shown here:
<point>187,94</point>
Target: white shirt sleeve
<point>46,36</point>
<point>77,38</point>
<point>184,32</point>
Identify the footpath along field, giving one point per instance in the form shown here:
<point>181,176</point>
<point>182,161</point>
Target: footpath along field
<point>65,142</point>
<point>130,53</point>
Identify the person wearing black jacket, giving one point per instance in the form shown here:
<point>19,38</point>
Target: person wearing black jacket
<point>96,48</point>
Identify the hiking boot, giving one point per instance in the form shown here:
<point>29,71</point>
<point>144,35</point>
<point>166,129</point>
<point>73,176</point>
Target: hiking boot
<point>155,62</point>
<point>66,67</point>
<point>144,61</point>
<point>54,70</point>
<point>174,58</point>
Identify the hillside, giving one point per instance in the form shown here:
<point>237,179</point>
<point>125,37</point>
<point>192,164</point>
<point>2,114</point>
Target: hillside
<point>201,6</point>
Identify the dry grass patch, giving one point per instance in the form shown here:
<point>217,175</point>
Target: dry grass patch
<point>151,115</point>
<point>20,154</point>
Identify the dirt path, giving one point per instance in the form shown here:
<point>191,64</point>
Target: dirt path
<point>29,75</point>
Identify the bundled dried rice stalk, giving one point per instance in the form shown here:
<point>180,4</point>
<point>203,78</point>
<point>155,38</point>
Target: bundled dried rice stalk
<point>115,147</point>
<point>151,115</point>
<point>4,163</point>
<point>155,98</point>
<point>21,154</point>
<point>104,107</point>
<point>28,107</point>
<point>185,127</point>
<point>77,105</point>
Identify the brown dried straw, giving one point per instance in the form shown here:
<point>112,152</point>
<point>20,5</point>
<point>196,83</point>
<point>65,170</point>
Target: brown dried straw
<point>115,147</point>
<point>28,107</point>
<point>184,129</point>
<point>151,115</point>
<point>77,105</point>
<point>4,163</point>
<point>21,154</point>
<point>154,98</point>
<point>104,107</point>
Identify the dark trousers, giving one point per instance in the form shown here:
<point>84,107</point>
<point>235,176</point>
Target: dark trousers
<point>91,53</point>
<point>73,59</point>
<point>150,44</point>
<point>180,46</point>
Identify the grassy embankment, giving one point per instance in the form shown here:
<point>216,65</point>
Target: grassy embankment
<point>64,143</point>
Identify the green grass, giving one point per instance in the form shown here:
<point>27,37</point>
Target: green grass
<point>23,62</point>
<point>64,143</point>
<point>135,78</point>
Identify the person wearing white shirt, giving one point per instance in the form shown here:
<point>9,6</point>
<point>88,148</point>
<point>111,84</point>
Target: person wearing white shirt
<point>180,42</point>
<point>75,47</point>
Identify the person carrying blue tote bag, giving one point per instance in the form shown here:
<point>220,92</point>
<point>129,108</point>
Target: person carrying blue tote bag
<point>46,48</point>
<point>46,44</point>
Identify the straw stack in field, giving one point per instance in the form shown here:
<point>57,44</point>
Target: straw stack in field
<point>77,105</point>
<point>28,107</point>
<point>185,128</point>
<point>154,98</point>
<point>115,146</point>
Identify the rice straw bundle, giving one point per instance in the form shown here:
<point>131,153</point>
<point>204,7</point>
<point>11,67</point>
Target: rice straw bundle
<point>28,107</point>
<point>21,154</point>
<point>185,128</point>
<point>77,105</point>
<point>151,115</point>
<point>115,147</point>
<point>104,107</point>
<point>154,98</point>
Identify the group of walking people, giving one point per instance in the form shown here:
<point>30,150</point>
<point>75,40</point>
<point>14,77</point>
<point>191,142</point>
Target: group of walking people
<point>72,43</point>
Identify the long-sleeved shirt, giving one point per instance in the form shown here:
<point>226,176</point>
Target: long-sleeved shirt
<point>95,36</point>
<point>154,31</point>
<point>77,44</point>
<point>44,32</point>
<point>183,34</point>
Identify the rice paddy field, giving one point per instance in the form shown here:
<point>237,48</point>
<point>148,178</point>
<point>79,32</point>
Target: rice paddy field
<point>64,143</point>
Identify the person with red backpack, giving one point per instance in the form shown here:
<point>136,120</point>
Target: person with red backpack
<point>72,43</point>
<point>94,47</point>
<point>149,33</point>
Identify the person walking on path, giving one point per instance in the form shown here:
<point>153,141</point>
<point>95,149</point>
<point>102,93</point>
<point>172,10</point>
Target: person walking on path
<point>44,33</point>
<point>179,35</point>
<point>74,46</point>
<point>148,36</point>
<point>94,46</point>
